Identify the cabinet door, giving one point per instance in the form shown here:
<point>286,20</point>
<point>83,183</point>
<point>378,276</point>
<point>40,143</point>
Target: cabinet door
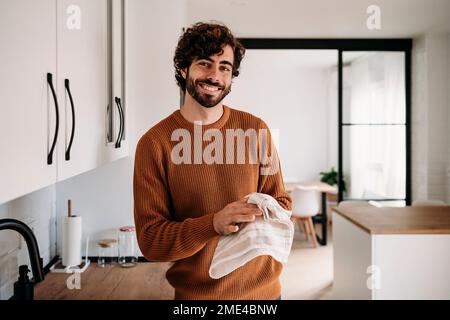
<point>117,112</point>
<point>82,59</point>
<point>27,108</point>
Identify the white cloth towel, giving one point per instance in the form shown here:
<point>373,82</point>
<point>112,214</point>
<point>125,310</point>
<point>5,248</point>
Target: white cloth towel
<point>269,234</point>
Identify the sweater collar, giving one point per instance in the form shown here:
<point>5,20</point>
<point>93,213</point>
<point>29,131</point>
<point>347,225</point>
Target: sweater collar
<point>215,125</point>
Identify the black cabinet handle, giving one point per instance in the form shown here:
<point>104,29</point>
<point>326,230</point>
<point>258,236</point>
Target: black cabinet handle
<point>55,137</point>
<point>108,131</point>
<point>66,85</point>
<point>119,101</point>
<point>119,107</point>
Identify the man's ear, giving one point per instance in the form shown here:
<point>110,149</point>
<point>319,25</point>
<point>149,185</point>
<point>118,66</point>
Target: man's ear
<point>183,72</point>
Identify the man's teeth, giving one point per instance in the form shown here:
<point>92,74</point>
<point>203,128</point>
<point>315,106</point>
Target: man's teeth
<point>209,88</point>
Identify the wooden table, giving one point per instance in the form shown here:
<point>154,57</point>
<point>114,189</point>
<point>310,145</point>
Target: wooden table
<point>146,281</point>
<point>324,189</point>
<point>322,186</point>
<point>382,253</point>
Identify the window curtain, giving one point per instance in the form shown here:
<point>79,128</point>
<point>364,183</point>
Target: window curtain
<point>376,152</point>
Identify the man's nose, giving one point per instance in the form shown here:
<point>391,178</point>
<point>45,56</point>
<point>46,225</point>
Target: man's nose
<point>213,74</point>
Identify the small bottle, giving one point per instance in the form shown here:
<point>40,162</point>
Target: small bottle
<point>107,252</point>
<point>23,288</point>
<point>128,256</point>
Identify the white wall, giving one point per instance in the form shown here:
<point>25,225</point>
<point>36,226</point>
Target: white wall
<point>292,100</point>
<point>332,118</point>
<point>419,120</point>
<point>438,113</point>
<point>430,117</point>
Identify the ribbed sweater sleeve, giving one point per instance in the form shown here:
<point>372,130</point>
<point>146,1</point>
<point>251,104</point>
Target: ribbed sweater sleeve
<point>270,176</point>
<point>160,238</point>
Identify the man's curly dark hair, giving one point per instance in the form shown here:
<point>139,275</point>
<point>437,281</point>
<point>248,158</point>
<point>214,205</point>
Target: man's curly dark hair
<point>203,40</point>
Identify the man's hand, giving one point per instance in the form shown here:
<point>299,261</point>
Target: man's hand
<point>227,220</point>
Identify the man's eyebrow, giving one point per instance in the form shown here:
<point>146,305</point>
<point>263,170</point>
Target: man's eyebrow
<point>221,62</point>
<point>226,62</point>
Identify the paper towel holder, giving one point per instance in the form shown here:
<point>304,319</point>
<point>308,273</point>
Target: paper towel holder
<point>58,267</point>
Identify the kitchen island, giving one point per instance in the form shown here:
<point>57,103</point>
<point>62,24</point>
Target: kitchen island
<point>145,281</point>
<point>391,253</point>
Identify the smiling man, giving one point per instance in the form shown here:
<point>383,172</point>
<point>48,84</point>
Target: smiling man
<point>182,208</point>
<point>206,91</point>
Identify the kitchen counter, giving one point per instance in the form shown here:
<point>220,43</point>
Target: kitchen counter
<point>405,220</point>
<point>146,281</point>
<point>391,253</point>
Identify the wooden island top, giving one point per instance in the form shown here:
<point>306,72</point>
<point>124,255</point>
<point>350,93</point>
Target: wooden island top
<point>404,220</point>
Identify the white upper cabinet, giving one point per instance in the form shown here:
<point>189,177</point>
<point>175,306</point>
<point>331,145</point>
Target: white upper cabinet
<point>27,106</point>
<point>76,48</point>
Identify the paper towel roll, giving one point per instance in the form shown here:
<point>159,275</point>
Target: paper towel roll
<point>71,250</point>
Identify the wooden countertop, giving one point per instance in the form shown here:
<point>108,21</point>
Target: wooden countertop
<point>405,220</point>
<point>146,281</point>
<point>322,186</point>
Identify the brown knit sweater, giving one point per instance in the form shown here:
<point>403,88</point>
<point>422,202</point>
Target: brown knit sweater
<point>174,205</point>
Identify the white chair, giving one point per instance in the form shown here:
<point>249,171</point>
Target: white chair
<point>428,203</point>
<point>305,205</point>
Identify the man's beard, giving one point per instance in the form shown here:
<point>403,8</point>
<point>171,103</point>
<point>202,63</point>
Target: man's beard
<point>204,99</point>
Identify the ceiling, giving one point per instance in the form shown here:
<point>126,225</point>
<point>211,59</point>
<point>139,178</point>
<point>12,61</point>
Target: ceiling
<point>323,18</point>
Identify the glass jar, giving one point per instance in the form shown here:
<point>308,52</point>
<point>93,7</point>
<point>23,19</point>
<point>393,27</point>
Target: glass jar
<point>128,255</point>
<point>107,252</point>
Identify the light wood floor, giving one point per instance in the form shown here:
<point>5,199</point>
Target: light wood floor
<point>309,271</point>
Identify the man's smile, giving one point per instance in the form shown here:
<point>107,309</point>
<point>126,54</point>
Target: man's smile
<point>209,88</point>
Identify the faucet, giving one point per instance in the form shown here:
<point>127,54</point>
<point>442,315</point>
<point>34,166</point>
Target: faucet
<point>33,252</point>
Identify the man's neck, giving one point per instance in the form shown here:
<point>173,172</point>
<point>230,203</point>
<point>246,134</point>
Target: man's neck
<point>193,111</point>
